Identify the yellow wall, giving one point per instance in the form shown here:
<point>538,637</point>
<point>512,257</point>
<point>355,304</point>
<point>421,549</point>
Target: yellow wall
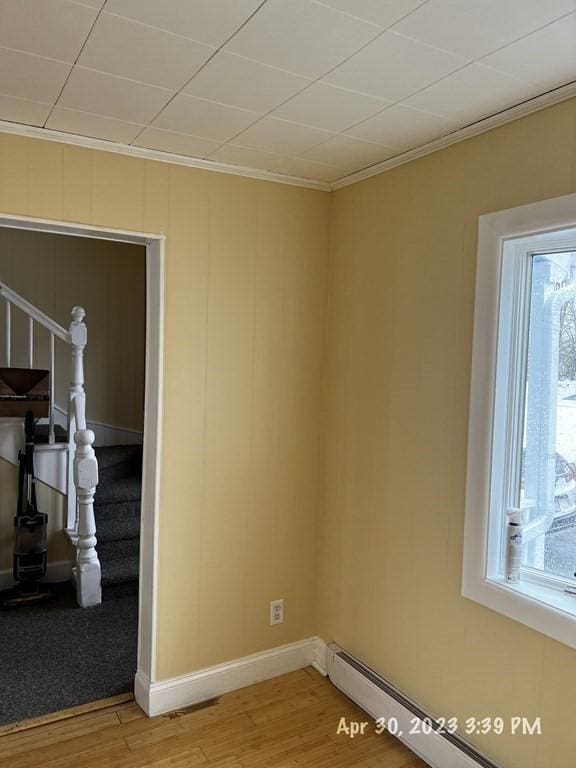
<point>244,337</point>
<point>398,375</point>
<point>108,279</point>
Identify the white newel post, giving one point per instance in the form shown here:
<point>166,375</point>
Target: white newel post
<point>88,574</point>
<point>83,473</point>
<point>78,339</point>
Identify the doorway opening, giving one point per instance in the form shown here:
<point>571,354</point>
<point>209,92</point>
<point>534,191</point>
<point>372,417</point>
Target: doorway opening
<point>96,632</point>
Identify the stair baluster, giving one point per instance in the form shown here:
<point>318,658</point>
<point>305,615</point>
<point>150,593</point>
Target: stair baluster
<point>78,338</point>
<point>30,343</point>
<point>8,332</point>
<point>51,435</point>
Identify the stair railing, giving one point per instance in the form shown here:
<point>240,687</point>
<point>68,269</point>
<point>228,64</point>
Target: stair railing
<point>34,315</point>
<point>82,462</point>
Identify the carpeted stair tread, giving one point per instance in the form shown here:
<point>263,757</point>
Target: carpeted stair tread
<point>117,591</point>
<point>118,491</point>
<point>42,434</point>
<point>114,550</point>
<point>111,455</point>
<point>117,472</point>
<point>115,522</point>
<point>117,512</point>
<point>120,571</point>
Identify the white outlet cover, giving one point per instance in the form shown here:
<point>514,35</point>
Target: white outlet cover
<point>276,612</point>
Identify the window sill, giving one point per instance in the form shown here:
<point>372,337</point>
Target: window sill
<point>547,596</point>
<point>544,609</point>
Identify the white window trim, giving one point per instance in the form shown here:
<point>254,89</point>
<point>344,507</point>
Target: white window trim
<point>538,606</point>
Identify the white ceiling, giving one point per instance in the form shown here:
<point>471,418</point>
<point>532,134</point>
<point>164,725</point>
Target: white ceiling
<point>317,89</point>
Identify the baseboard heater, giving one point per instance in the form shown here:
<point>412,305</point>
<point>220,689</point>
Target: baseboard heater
<point>380,699</point>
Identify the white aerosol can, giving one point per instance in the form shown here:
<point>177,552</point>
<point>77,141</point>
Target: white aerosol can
<point>514,544</point>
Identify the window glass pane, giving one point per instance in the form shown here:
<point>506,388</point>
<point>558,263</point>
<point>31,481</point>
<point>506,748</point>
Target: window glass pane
<point>548,476</point>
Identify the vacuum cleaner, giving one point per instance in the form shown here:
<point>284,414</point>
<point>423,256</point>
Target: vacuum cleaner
<point>30,525</point>
<point>30,531</point>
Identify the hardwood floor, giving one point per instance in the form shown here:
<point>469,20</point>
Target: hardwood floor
<point>282,723</point>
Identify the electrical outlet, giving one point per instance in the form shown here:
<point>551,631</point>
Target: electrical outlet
<point>276,612</point>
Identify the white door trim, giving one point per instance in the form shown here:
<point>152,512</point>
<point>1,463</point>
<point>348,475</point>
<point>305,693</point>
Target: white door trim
<point>153,411</point>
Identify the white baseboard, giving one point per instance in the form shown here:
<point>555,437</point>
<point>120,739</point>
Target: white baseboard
<point>61,570</point>
<point>319,660</point>
<point>380,699</point>
<point>106,434</point>
<point>208,683</point>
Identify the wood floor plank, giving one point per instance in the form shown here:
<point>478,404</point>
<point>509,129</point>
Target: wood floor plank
<point>132,712</point>
<point>82,710</point>
<point>288,722</point>
<point>56,735</point>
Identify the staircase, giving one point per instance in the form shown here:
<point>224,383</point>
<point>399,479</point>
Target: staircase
<point>117,514</point>
<point>103,499</point>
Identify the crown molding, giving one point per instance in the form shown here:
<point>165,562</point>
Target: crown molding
<point>563,93</point>
<point>34,132</point>
<point>548,99</point>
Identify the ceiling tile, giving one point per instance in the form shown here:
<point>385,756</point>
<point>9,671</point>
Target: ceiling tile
<point>240,82</point>
<point>203,20</point>
<point>31,77</point>
<point>187,114</point>
<point>393,66</point>
<point>53,28</point>
<point>547,57</point>
<point>86,124</point>
<point>476,27</point>
<point>325,106</point>
<point>402,127</point>
<point>472,93</point>
<point>308,169</point>
<point>139,52</point>
<point>280,136</point>
<point>248,158</point>
<point>348,153</point>
<point>23,111</point>
<point>177,143</point>
<point>301,36</point>
<point>382,12</point>
<point>98,93</point>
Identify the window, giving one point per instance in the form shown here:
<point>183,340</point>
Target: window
<point>547,489</point>
<point>520,534</point>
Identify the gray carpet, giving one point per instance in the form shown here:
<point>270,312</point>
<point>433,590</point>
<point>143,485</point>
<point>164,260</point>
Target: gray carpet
<point>56,655</point>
